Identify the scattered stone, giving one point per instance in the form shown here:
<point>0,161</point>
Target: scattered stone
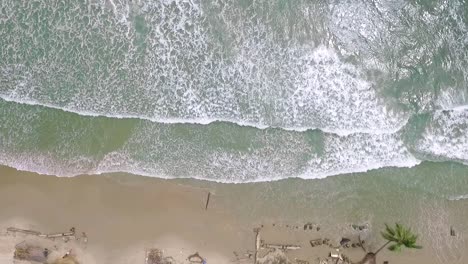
<point>316,242</point>
<point>360,227</point>
<point>310,226</point>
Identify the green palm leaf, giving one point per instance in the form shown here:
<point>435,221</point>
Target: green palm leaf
<point>400,236</point>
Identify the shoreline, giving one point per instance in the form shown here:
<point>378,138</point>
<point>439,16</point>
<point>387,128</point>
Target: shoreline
<point>123,215</point>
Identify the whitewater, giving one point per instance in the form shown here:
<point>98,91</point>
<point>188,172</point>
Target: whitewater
<point>231,91</point>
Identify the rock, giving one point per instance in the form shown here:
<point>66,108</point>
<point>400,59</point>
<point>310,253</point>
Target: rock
<point>308,226</point>
<point>359,227</point>
<point>316,242</point>
<point>344,241</point>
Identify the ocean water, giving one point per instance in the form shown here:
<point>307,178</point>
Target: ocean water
<point>233,91</point>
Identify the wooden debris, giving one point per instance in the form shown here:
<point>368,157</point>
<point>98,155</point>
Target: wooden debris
<point>361,243</point>
<point>66,235</point>
<point>24,231</point>
<point>207,200</point>
<point>257,243</point>
<point>452,231</point>
<point>281,246</point>
<point>336,256</point>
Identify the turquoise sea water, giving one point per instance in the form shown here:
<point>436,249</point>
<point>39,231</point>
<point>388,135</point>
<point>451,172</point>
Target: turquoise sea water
<point>232,91</point>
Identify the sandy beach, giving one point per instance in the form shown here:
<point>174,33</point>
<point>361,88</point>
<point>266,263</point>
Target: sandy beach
<point>122,219</point>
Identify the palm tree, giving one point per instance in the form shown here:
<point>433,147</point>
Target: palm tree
<point>399,236</point>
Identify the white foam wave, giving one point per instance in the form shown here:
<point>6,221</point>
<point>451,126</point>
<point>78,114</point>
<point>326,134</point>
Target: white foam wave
<point>210,153</point>
<point>453,99</point>
<point>458,197</point>
<point>53,168</point>
<point>359,153</point>
<point>446,137</point>
<point>201,121</point>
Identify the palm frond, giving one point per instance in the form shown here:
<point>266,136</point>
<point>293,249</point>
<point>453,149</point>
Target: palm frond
<point>400,236</point>
<point>395,247</point>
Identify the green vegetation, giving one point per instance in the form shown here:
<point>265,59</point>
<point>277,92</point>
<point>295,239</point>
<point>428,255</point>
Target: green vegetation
<point>398,237</point>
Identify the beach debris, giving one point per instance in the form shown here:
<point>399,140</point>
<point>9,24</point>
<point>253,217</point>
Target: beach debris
<point>207,200</point>
<point>28,252</point>
<point>257,243</point>
<point>361,243</point>
<point>196,258</point>
<point>452,231</point>
<point>310,226</point>
<point>319,242</point>
<point>84,238</point>
<point>336,255</point>
<point>67,260</point>
<point>65,235</point>
<point>280,246</point>
<point>246,257</point>
<point>67,254</point>
<point>155,256</point>
<point>316,242</point>
<point>360,227</point>
<point>24,231</point>
<point>274,256</point>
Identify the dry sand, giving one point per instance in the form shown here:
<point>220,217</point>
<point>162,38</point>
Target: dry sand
<point>122,220</point>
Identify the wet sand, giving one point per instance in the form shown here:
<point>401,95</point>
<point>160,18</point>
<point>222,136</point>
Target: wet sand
<point>124,218</point>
